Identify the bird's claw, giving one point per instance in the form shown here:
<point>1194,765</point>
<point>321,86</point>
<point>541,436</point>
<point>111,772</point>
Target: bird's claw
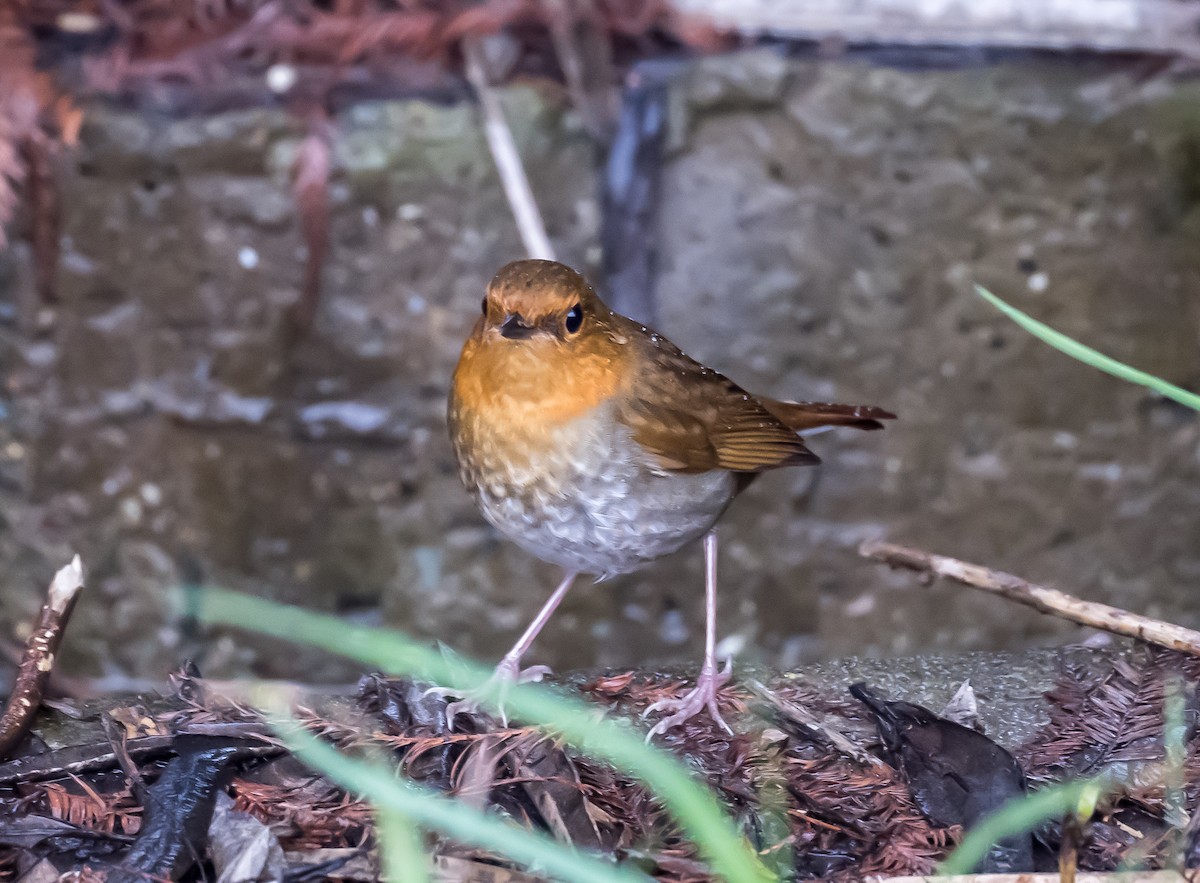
<point>703,696</point>
<point>508,672</point>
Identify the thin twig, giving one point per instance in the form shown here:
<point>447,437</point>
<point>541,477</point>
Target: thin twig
<point>118,738</point>
<point>584,53</point>
<point>44,221</point>
<point>101,756</point>
<point>817,729</point>
<point>310,190</point>
<point>508,160</point>
<point>1052,601</point>
<point>35,666</point>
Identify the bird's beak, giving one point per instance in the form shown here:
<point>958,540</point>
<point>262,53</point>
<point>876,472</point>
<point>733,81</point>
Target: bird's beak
<point>515,327</point>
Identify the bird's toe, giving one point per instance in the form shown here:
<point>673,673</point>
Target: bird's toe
<point>703,697</point>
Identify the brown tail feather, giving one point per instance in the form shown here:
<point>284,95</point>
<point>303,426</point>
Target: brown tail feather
<point>800,416</point>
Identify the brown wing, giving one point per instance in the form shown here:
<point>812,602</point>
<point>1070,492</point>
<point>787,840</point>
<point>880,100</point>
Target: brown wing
<point>799,416</point>
<point>694,419</point>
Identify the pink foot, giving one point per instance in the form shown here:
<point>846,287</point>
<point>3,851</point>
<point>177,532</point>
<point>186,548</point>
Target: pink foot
<point>509,671</point>
<point>704,696</point>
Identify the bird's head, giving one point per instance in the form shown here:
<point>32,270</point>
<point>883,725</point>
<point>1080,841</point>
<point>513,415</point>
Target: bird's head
<point>541,301</point>
<point>545,343</point>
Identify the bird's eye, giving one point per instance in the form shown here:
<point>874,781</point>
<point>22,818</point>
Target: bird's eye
<point>574,318</point>
<point>485,306</point>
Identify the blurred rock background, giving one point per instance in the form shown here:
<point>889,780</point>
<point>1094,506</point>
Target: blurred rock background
<point>819,227</point>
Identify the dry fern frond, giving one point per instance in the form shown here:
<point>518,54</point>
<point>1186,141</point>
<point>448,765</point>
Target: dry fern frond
<point>84,806</point>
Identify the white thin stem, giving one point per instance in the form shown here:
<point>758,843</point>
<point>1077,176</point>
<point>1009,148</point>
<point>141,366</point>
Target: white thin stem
<point>508,160</point>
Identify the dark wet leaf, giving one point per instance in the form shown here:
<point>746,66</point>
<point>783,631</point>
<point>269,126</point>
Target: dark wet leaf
<point>346,863</point>
<point>956,775</point>
<point>1110,838</point>
<point>408,708</point>
<point>551,782</point>
<point>28,832</point>
<point>411,709</point>
<point>179,809</point>
<point>243,849</point>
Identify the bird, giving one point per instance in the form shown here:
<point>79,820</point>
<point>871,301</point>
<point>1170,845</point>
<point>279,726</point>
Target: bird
<point>594,443</point>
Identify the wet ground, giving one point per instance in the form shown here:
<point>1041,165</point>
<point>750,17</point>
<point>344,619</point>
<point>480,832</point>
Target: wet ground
<point>821,225</point>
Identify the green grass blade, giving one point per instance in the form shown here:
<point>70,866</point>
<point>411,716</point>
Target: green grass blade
<point>581,725</point>
<point>379,784</point>
<point>1021,815</point>
<point>401,852</point>
<point>1089,356</point>
<point>1175,738</point>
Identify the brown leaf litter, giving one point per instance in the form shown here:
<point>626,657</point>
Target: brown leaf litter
<point>810,810</point>
<point>1112,721</point>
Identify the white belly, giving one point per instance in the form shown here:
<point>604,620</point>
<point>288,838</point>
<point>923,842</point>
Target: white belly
<point>601,506</point>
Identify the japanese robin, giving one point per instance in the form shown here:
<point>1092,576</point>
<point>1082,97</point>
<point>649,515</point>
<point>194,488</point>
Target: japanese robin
<point>596,444</point>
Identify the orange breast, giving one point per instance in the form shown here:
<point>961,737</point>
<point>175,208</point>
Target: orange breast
<point>522,398</point>
<point>541,449</point>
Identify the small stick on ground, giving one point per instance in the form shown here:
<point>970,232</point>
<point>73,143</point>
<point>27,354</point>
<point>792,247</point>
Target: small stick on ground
<point>38,660</point>
<point>801,717</point>
<point>118,738</point>
<point>508,160</point>
<point>1051,601</point>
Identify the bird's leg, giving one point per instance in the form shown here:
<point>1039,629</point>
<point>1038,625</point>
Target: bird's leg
<point>509,670</point>
<point>712,678</point>
<point>510,666</point>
